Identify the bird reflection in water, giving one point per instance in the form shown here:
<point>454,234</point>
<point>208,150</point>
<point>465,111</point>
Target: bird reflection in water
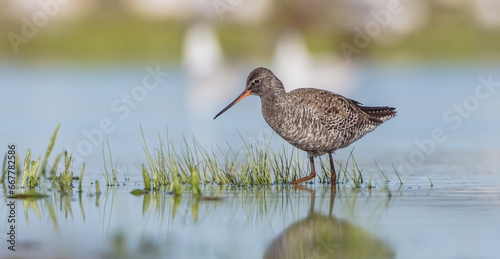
<point>321,236</point>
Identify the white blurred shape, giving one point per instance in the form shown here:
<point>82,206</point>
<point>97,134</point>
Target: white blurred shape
<point>163,8</point>
<point>403,17</point>
<point>202,53</point>
<point>254,11</point>
<point>244,11</point>
<point>293,64</point>
<point>414,15</point>
<point>64,10</point>
<point>487,13</point>
<point>208,79</point>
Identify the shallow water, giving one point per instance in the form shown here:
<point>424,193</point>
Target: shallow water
<point>457,217</point>
<point>278,221</point>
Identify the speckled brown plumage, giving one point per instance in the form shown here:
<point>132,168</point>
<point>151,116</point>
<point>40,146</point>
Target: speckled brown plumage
<point>314,120</point>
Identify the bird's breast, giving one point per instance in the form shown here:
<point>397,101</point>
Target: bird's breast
<point>299,126</point>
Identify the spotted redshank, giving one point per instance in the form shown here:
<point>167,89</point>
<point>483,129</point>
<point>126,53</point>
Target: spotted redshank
<point>314,120</point>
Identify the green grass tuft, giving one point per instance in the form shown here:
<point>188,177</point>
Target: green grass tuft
<point>81,178</point>
<point>397,174</point>
<point>49,150</point>
<point>111,179</point>
<point>4,169</point>
<point>146,178</point>
<point>30,169</point>
<point>382,172</point>
<point>255,164</point>
<point>195,183</point>
<point>63,182</point>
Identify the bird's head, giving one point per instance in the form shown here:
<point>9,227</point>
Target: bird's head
<point>260,81</point>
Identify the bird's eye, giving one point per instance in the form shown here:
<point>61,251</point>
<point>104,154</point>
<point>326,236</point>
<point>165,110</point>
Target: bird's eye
<point>256,81</point>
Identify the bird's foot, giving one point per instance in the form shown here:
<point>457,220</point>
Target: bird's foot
<point>303,179</point>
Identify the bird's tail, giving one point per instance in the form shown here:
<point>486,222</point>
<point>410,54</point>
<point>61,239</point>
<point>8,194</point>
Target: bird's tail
<point>379,114</point>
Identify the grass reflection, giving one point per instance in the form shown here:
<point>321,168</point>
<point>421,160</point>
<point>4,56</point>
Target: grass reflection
<point>309,225</point>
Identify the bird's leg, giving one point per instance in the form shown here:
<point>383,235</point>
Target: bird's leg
<point>334,175</point>
<point>310,176</point>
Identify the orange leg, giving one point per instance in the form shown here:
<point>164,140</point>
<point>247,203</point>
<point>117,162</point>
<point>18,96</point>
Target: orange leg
<point>334,175</point>
<point>310,176</point>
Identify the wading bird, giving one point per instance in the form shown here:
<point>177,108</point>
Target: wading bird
<point>314,120</point>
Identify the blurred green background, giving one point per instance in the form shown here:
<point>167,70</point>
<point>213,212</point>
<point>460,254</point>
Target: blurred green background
<point>114,31</point>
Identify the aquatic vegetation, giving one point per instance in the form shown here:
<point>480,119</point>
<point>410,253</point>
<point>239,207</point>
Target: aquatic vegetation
<point>32,171</point>
<point>158,177</point>
<point>195,183</point>
<point>27,195</point>
<point>4,168</point>
<point>430,181</point>
<point>397,174</point>
<point>170,166</point>
<point>49,150</point>
<point>30,174</point>
<point>53,170</point>
<point>354,173</point>
<point>97,188</point>
<point>146,178</point>
<point>138,192</point>
<point>81,178</point>
<point>111,180</point>
<point>175,187</point>
<point>63,182</point>
<point>382,172</point>
<point>256,164</point>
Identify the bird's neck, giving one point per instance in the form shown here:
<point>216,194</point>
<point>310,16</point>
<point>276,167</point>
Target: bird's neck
<point>274,96</point>
<point>272,102</point>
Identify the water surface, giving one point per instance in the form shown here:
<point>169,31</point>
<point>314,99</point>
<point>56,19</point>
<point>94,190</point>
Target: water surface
<point>457,217</point>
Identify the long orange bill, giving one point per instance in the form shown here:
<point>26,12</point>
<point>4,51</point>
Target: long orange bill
<point>242,95</point>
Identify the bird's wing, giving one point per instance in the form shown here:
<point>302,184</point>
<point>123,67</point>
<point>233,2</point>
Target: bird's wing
<point>332,110</point>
